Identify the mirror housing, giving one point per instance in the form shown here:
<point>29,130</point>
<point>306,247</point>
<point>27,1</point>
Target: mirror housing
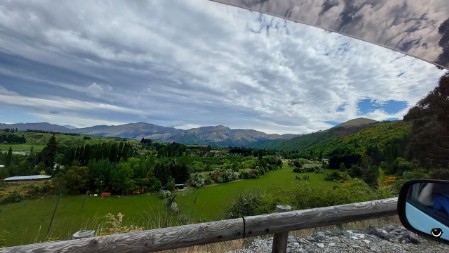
<point>423,207</point>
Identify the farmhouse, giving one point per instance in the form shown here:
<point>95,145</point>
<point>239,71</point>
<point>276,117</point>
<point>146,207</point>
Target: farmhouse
<point>27,178</point>
<point>2,166</point>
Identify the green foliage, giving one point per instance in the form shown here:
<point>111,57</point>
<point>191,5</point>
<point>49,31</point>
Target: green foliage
<point>122,179</point>
<point>356,140</point>
<point>399,166</point>
<point>247,204</point>
<point>429,142</point>
<point>11,138</point>
<point>197,180</point>
<point>12,197</point>
<point>442,174</point>
<point>8,159</point>
<point>170,184</point>
<point>335,176</point>
<point>296,163</point>
<point>114,152</point>
<point>48,154</point>
<point>76,179</point>
<point>304,196</point>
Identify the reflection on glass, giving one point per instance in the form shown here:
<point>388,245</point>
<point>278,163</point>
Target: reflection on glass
<point>403,25</point>
<point>427,209</point>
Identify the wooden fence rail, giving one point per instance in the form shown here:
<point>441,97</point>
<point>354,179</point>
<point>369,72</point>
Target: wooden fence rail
<point>218,231</point>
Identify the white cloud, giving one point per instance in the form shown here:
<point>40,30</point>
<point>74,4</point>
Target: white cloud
<point>76,120</point>
<point>61,104</point>
<point>195,63</point>
<point>98,90</point>
<point>4,91</point>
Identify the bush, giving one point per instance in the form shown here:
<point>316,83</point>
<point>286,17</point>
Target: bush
<point>303,196</point>
<point>298,170</point>
<point>164,194</point>
<point>155,185</point>
<point>296,163</point>
<point>224,175</point>
<point>248,204</point>
<point>335,176</point>
<point>197,180</point>
<point>442,174</point>
<point>12,197</point>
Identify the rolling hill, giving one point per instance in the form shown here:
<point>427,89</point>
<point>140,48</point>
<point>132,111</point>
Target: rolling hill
<point>356,135</point>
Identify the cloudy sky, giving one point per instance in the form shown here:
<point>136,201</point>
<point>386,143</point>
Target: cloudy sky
<point>190,63</point>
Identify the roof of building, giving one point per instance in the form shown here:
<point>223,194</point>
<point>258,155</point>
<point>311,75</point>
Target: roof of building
<point>23,178</point>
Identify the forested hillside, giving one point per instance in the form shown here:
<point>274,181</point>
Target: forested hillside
<point>319,145</point>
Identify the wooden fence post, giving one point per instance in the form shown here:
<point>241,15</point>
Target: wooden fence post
<point>280,239</point>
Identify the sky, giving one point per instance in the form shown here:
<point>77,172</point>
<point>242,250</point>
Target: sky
<point>192,63</point>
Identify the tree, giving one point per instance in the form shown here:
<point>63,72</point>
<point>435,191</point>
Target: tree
<point>100,174</point>
<point>429,142</point>
<point>48,154</point>
<point>179,172</point>
<point>8,159</point>
<point>121,179</point>
<point>370,172</point>
<point>162,172</point>
<point>76,179</point>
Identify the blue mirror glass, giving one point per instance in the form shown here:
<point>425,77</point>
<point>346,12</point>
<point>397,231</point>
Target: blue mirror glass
<point>427,209</point>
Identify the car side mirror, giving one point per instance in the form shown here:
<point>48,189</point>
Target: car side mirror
<point>423,207</point>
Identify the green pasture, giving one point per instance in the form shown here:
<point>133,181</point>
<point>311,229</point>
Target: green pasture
<point>28,221</point>
<point>39,140</point>
<point>210,202</point>
<point>21,147</point>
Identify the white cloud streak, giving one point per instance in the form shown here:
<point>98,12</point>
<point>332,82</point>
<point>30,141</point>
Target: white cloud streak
<point>194,63</point>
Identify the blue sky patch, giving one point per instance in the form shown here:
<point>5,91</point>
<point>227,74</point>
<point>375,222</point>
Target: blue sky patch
<point>368,105</point>
<point>341,108</point>
<point>333,123</point>
<point>392,119</point>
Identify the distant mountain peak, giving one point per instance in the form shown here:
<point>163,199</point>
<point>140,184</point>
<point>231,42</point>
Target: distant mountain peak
<point>211,135</point>
<point>356,122</point>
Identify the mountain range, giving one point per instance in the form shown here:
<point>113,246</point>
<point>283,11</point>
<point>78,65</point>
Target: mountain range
<point>209,135</point>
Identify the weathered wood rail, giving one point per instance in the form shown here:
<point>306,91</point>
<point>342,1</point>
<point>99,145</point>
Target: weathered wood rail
<point>218,231</point>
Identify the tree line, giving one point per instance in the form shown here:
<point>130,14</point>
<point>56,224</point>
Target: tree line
<point>12,138</point>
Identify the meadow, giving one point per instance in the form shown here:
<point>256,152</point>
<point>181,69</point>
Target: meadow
<point>38,140</point>
<point>28,221</point>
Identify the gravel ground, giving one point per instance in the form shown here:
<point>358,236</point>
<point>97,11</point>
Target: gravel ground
<point>391,238</point>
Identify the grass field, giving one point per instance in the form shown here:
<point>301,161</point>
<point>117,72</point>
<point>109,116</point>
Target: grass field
<point>210,202</point>
<point>39,140</point>
<point>28,221</point>
<point>21,147</point>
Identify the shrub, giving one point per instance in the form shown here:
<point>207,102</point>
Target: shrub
<point>248,204</point>
<point>163,194</point>
<point>304,196</point>
<point>12,197</point>
<point>335,176</point>
<point>442,174</point>
<point>197,180</point>
<point>298,170</point>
